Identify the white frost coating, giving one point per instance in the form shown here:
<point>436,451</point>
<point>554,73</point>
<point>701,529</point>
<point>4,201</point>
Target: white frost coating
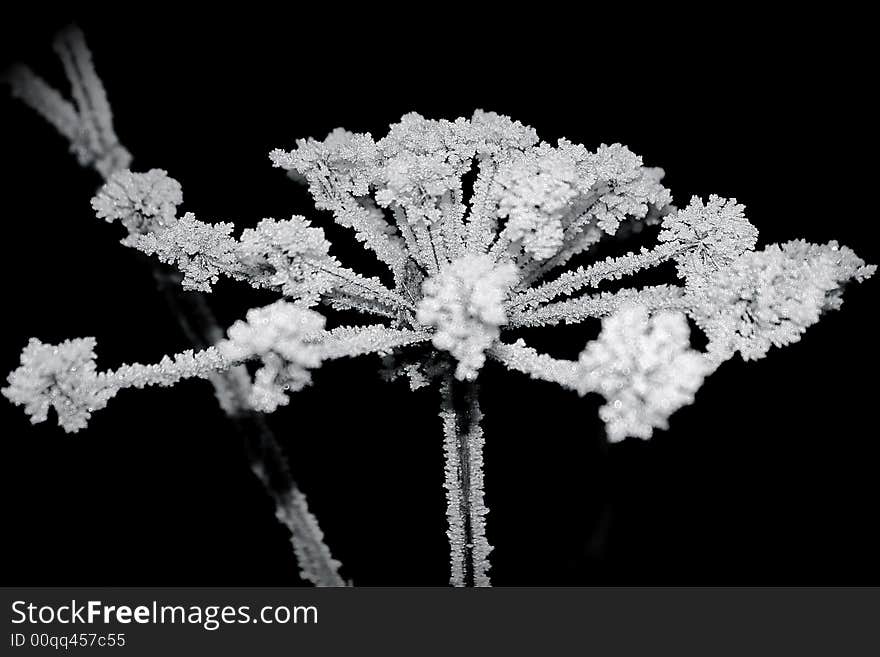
<point>464,303</point>
<point>338,172</point>
<point>770,297</point>
<point>645,369</point>
<point>142,202</point>
<point>291,256</point>
<point>709,236</point>
<point>454,490</point>
<point>232,387</point>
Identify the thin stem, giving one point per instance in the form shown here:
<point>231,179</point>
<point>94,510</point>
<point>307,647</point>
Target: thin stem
<point>465,511</point>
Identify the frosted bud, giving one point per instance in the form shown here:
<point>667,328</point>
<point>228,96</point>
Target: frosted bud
<point>711,235</point>
<point>464,302</point>
<point>499,133</point>
<point>277,334</point>
<point>644,367</point>
<point>143,202</point>
<point>62,377</point>
<point>345,161</point>
<point>534,191</point>
<point>292,255</point>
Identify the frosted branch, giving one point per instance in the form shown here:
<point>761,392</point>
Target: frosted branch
<point>579,309</point>
<point>98,144</point>
<point>351,341</point>
<point>519,357</point>
<point>316,563</point>
<point>36,93</point>
<point>608,269</point>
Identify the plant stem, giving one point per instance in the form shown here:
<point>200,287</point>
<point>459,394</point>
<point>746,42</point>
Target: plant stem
<point>266,457</point>
<point>465,511</point>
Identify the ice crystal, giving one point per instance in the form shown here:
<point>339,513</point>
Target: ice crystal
<point>464,269</point>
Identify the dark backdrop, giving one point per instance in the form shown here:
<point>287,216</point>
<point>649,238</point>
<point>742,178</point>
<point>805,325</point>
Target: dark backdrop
<point>769,478</point>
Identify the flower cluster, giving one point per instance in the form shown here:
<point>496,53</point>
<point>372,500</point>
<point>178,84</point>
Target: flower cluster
<point>277,335</point>
<point>142,202</point>
<point>464,304</point>
<point>62,377</point>
<point>710,236</point>
<point>644,366</point>
<point>770,297</point>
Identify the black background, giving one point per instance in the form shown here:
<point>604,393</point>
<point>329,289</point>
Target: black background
<point>769,478</point>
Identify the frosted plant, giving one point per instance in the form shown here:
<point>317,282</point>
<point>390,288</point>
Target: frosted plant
<point>467,266</point>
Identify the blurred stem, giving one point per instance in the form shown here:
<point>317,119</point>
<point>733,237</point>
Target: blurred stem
<point>266,457</point>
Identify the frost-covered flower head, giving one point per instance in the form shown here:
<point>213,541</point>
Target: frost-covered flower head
<point>142,202</point>
<point>277,335</point>
<point>644,367</point>
<point>534,190</point>
<point>710,236</point>
<point>464,304</point>
<point>62,377</point>
<point>770,297</point>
